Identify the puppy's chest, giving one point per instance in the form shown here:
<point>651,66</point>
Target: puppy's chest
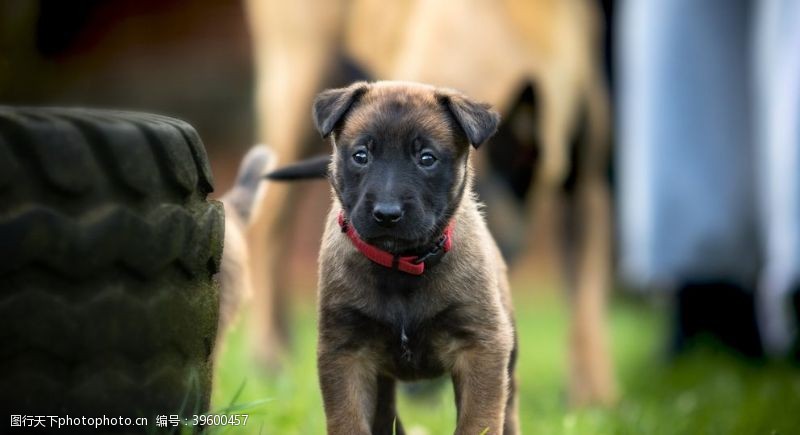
<point>412,341</point>
<point>415,347</point>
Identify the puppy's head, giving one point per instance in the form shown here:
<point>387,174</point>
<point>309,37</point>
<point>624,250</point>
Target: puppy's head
<point>400,156</point>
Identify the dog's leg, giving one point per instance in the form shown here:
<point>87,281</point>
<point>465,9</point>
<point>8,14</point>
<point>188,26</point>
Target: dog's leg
<point>293,44</point>
<point>480,378</point>
<point>587,253</point>
<point>592,379</point>
<point>349,391</point>
<point>386,421</point>
<point>560,98</point>
<point>268,233</point>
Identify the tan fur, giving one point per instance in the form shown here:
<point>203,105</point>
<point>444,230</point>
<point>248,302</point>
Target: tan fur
<point>348,390</point>
<point>235,272</point>
<point>294,43</point>
<point>241,203</point>
<point>591,367</point>
<point>479,371</point>
<point>488,49</point>
<point>471,277</point>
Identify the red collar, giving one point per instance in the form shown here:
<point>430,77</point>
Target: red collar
<point>411,264</point>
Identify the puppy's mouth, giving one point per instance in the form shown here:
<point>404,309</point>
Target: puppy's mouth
<point>395,240</point>
<point>406,238</point>
<point>397,245</point>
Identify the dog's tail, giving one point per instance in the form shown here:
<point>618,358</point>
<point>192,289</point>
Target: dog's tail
<point>311,168</point>
<point>257,162</point>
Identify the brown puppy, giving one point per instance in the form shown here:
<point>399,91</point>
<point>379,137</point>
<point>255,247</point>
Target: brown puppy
<point>440,304</point>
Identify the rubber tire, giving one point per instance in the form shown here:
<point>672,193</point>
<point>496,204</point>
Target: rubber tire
<point>108,255</point>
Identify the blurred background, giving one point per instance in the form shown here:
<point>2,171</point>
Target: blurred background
<point>683,115</point>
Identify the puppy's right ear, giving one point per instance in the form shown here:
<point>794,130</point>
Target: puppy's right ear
<point>331,105</point>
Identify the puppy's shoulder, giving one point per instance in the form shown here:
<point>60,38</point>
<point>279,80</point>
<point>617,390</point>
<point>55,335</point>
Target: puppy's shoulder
<point>479,255</point>
<point>473,232</point>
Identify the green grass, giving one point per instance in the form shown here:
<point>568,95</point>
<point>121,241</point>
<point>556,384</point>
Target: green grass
<point>703,392</point>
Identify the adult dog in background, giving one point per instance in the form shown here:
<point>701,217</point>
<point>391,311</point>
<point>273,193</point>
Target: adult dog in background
<point>490,50</point>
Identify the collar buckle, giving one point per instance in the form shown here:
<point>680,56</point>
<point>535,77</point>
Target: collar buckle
<point>435,255</point>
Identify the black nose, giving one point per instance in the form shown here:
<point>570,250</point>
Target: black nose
<point>387,214</point>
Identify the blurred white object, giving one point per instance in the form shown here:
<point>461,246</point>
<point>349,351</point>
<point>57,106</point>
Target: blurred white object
<point>709,157</point>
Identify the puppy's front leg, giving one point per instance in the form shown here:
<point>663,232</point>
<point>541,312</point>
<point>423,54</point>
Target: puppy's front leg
<point>349,390</point>
<point>480,377</point>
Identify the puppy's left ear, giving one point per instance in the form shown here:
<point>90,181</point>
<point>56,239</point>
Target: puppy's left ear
<point>478,120</point>
<point>331,105</point>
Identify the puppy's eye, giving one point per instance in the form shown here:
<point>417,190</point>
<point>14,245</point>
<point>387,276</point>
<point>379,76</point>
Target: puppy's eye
<point>427,160</point>
<point>360,157</point>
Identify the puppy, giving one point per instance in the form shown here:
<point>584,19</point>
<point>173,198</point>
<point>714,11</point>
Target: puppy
<point>411,283</point>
